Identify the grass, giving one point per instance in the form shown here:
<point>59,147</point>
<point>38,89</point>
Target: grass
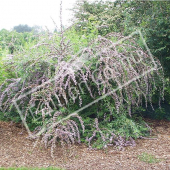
<point>148,158</point>
<point>24,168</point>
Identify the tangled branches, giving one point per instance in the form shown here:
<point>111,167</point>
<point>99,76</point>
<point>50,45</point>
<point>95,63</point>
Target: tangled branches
<point>52,76</point>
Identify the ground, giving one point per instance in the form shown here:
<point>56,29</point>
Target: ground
<point>18,151</point>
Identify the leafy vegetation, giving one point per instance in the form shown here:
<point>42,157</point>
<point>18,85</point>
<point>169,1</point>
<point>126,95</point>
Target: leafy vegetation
<point>25,28</point>
<point>151,17</point>
<point>148,158</point>
<point>48,81</point>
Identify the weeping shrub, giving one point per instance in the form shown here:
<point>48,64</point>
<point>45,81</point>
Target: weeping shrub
<point>73,90</point>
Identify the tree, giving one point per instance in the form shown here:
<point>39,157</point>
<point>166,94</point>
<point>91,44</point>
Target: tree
<point>22,28</point>
<point>106,16</point>
<point>152,17</point>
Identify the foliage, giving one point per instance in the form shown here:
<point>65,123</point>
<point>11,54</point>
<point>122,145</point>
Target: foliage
<point>73,77</point>
<point>3,73</point>
<point>59,74</point>
<point>152,17</point>
<point>22,28</point>
<point>157,113</point>
<point>10,42</point>
<point>25,28</point>
<point>121,131</point>
<point>105,16</point>
<point>148,158</point>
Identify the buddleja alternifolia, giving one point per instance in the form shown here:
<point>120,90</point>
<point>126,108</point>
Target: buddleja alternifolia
<point>52,75</point>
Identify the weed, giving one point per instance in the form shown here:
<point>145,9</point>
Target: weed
<point>148,158</point>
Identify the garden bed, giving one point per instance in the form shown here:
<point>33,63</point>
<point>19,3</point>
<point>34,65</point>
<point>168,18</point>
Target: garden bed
<point>18,151</point>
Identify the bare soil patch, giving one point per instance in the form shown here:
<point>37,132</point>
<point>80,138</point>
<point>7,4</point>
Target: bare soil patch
<point>18,151</point>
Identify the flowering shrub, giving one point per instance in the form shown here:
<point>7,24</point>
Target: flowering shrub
<point>86,91</point>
